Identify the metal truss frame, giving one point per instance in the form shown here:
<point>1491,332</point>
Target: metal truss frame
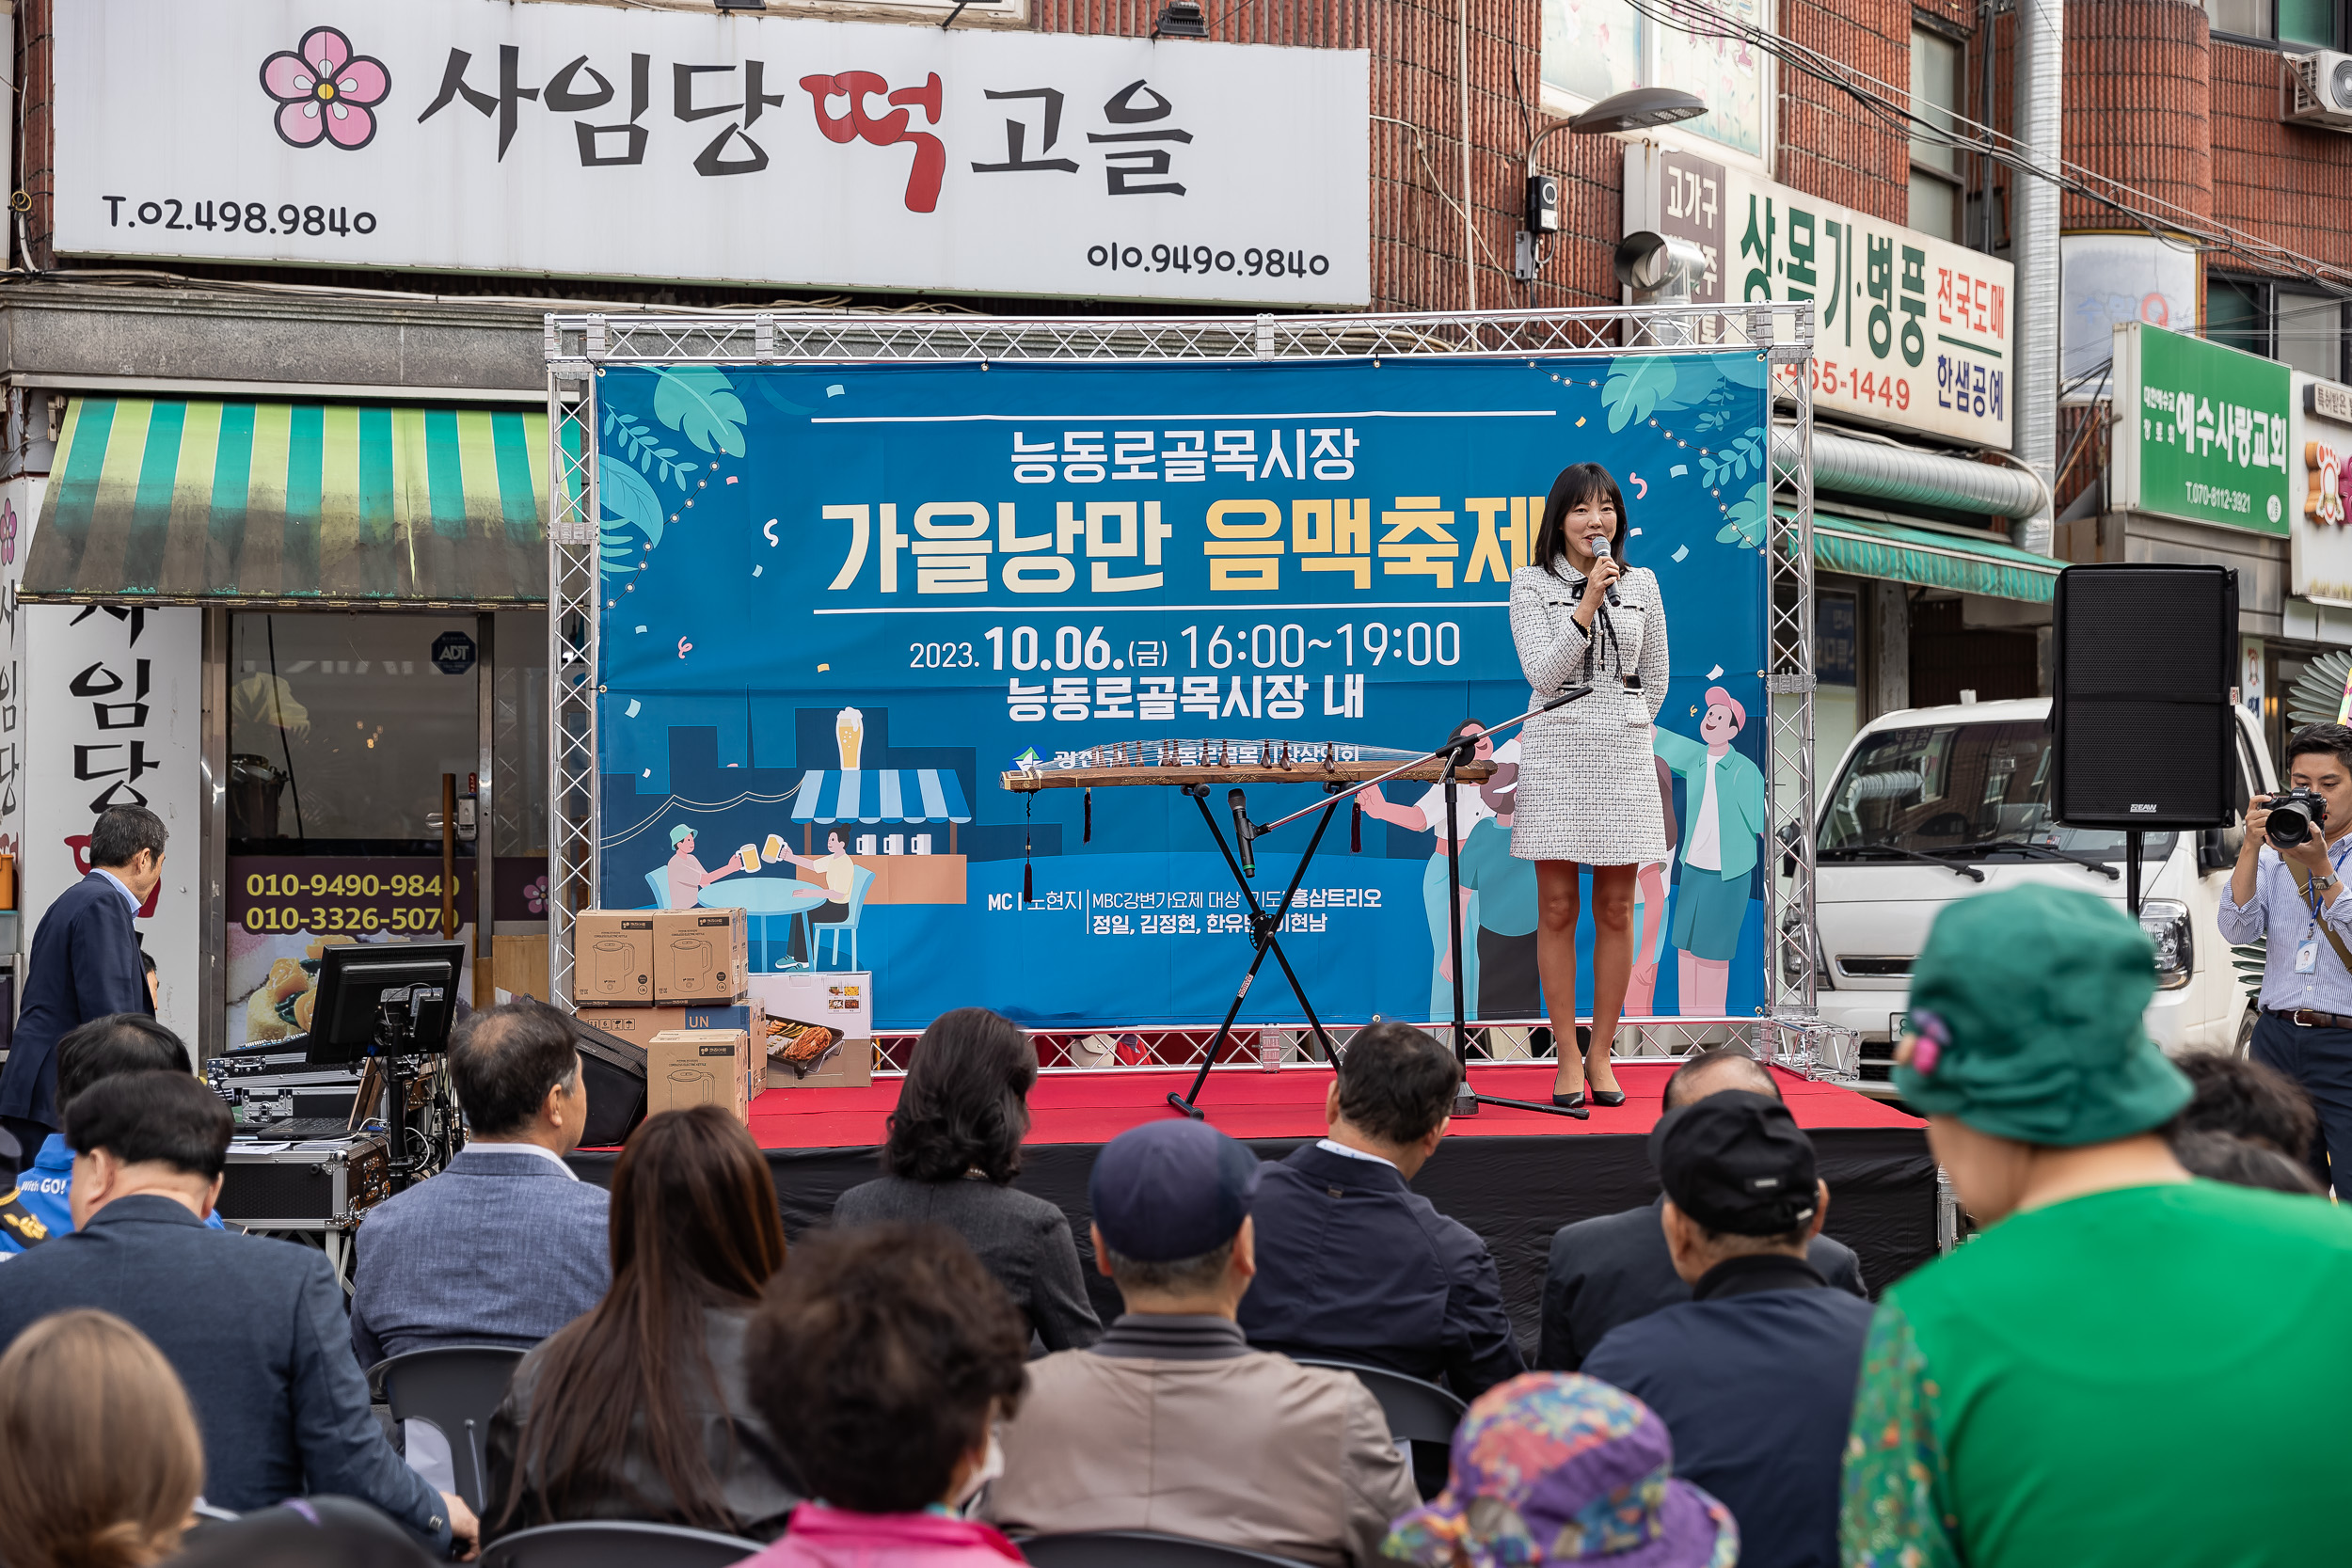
<point>579,347</point>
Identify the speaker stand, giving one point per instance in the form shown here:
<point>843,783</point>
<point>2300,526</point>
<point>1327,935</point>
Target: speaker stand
<point>2131,837</point>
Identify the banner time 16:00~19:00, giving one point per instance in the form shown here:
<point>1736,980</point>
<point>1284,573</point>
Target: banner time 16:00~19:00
<point>1264,646</point>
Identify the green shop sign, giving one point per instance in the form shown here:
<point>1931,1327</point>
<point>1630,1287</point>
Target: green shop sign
<point>2201,431</point>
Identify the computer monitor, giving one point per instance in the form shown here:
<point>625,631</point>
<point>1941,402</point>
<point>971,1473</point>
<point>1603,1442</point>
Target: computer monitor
<point>358,980</point>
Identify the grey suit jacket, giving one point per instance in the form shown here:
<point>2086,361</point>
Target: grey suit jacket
<point>255,1329</point>
<point>502,1248</point>
<point>1022,1240</point>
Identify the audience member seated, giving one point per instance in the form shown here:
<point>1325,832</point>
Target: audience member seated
<point>1755,1374</point>
<point>1615,1269</point>
<point>41,1206</point>
<point>2242,1162</point>
<point>2029,1398</point>
<point>1351,1262</point>
<point>506,1245</point>
<point>2246,1100</point>
<point>638,1409</point>
<point>254,1327</point>
<point>304,1532</point>
<point>954,1146</point>
<point>1172,1422</point>
<point>882,1359</point>
<point>99,1460</point>
<point>1560,1469</point>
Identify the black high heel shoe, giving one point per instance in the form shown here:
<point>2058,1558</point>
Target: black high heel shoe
<point>1606,1099</point>
<point>1584,1043</point>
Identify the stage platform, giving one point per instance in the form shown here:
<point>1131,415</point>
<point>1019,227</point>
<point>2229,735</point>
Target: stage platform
<point>1514,1176</point>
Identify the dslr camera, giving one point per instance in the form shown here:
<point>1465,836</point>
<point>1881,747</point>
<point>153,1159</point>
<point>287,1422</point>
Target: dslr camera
<point>2296,814</point>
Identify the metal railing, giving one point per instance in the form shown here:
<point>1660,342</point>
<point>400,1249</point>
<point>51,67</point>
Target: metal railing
<point>578,347</point>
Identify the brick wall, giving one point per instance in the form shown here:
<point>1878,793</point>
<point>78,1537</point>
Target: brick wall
<point>2137,106</point>
<point>2287,182</point>
<point>1830,144</point>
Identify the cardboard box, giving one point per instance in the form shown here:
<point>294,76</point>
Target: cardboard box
<point>640,1024</point>
<point>699,954</point>
<point>612,958</point>
<point>841,1000</point>
<point>699,1066</point>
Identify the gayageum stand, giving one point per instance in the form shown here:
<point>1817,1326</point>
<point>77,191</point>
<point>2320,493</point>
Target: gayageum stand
<point>1265,928</point>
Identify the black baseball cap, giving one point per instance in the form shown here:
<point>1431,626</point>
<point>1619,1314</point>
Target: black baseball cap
<point>1172,1190</point>
<point>1737,1162</point>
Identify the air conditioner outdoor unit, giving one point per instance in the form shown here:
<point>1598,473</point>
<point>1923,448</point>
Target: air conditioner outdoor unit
<point>2319,89</point>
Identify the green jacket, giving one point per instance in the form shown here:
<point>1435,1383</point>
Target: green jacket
<point>1739,797</point>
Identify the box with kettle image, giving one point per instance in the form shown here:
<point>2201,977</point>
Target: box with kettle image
<point>640,1024</point>
<point>700,1067</point>
<point>613,958</point>
<point>700,955</point>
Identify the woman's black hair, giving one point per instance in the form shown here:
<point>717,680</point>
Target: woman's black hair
<point>965,1102</point>
<point>1577,483</point>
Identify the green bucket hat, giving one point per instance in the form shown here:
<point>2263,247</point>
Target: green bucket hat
<point>2025,1015</point>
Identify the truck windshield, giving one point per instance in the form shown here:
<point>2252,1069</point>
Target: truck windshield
<point>1961,791</point>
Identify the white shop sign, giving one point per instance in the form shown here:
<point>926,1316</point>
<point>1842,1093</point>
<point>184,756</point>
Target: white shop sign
<point>1909,331</point>
<point>2319,443</point>
<point>587,141</point>
<point>113,706</point>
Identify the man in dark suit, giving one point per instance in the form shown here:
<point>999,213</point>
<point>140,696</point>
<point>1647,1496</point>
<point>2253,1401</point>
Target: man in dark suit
<point>85,964</point>
<point>1755,1374</point>
<point>1351,1262</point>
<point>254,1327</point>
<point>1615,1269</point>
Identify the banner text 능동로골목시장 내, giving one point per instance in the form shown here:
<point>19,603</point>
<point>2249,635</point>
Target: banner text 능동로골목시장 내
<point>838,603</point>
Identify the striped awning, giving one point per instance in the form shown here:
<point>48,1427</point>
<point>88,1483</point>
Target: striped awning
<point>1933,559</point>
<point>880,795</point>
<point>152,499</point>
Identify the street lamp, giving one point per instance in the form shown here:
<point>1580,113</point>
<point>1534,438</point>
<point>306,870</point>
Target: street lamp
<point>1635,109</point>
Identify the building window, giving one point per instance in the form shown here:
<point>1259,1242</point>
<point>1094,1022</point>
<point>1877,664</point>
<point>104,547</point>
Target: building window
<point>2297,326</point>
<point>2296,23</point>
<point>2308,332</point>
<point>1594,48</point>
<point>1936,201</point>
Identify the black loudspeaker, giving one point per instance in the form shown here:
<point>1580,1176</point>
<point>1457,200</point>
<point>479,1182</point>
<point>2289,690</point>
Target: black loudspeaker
<point>616,1071</point>
<point>2140,703</point>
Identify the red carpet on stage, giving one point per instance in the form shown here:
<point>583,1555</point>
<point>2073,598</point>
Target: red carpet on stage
<point>1096,1107</point>
<point>1514,1176</point>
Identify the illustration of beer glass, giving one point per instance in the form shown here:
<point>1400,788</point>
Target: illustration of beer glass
<point>849,729</point>
<point>774,850</point>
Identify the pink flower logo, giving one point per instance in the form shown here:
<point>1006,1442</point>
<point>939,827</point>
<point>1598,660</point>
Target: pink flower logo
<point>8,533</point>
<point>535,896</point>
<point>324,91</point>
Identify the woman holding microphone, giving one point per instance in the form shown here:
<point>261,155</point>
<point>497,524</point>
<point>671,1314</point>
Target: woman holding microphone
<point>1588,788</point>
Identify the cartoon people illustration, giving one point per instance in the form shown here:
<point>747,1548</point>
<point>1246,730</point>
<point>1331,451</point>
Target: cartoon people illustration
<point>837,872</point>
<point>1723,823</point>
<point>1427,815</point>
<point>687,877</point>
<point>1503,935</point>
<point>1649,887</point>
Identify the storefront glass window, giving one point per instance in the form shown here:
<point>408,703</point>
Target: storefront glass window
<point>340,727</point>
<point>519,740</point>
<point>1594,48</point>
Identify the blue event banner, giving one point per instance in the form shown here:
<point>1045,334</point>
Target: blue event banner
<point>839,602</point>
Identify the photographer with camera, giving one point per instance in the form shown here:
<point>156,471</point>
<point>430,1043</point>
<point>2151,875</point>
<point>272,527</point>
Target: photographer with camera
<point>2287,889</point>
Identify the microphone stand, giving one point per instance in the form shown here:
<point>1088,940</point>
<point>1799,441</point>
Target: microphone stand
<point>1456,753</point>
<point>1467,1101</point>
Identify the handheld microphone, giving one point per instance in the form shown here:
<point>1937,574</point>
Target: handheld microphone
<point>1245,831</point>
<point>1601,554</point>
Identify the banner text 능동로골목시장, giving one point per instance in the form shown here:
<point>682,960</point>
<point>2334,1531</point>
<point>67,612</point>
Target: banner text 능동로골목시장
<point>838,602</point>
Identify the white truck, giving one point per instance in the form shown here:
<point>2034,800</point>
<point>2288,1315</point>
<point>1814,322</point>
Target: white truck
<point>1939,804</point>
